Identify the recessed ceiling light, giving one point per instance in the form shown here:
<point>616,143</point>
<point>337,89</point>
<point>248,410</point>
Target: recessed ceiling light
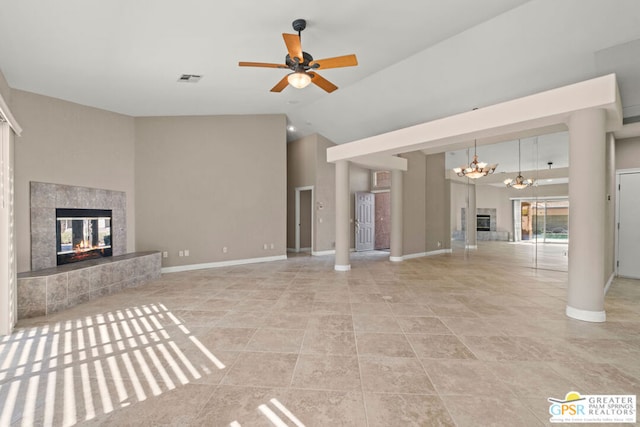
<point>290,128</point>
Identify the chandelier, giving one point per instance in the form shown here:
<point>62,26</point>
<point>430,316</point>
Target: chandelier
<point>519,183</point>
<point>475,169</point>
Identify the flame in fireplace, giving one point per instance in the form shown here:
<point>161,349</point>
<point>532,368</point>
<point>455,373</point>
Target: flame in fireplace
<point>84,245</point>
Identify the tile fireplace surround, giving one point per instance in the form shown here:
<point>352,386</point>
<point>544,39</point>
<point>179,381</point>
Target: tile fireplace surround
<point>49,288</point>
<point>45,198</point>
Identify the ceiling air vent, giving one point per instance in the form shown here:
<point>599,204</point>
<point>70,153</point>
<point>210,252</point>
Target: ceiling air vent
<point>189,78</point>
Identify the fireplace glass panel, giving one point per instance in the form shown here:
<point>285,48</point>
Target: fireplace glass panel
<point>483,222</point>
<point>82,234</point>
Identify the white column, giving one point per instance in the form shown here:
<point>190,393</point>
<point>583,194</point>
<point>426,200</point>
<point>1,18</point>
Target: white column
<point>472,233</point>
<point>396,216</point>
<point>587,207</point>
<point>342,261</point>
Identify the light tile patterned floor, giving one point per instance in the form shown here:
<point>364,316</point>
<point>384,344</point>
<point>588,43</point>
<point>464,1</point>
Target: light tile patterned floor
<point>445,340</point>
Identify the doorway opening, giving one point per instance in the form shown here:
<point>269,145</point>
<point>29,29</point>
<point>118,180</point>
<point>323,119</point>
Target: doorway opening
<point>628,220</point>
<point>304,219</point>
<point>382,210</point>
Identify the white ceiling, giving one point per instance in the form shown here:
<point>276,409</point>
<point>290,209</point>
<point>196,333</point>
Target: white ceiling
<point>418,59</point>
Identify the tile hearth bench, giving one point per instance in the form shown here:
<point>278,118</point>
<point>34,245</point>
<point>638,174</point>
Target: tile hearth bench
<point>47,291</point>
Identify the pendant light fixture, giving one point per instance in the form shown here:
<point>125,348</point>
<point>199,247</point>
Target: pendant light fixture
<point>519,183</point>
<point>475,169</point>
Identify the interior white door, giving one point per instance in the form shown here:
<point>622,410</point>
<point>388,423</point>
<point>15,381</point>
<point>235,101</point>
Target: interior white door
<point>629,225</point>
<point>365,221</point>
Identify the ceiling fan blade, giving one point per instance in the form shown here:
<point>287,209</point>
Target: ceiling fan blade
<point>293,46</point>
<point>321,82</point>
<point>261,64</point>
<point>281,85</point>
<point>337,62</point>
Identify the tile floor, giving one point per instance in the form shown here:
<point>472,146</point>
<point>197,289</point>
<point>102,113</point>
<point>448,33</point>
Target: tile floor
<point>445,340</point>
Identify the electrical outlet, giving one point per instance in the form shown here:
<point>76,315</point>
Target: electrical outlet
<point>165,254</point>
<point>265,247</point>
<point>186,252</point>
<point>180,253</point>
<point>224,249</point>
<point>272,246</point>
<point>439,244</point>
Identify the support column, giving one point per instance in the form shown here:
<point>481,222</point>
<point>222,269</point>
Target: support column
<point>396,216</point>
<point>587,207</point>
<point>342,261</point>
<point>471,238</point>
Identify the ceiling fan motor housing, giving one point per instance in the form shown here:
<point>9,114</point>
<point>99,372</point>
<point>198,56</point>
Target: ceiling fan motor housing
<point>304,65</point>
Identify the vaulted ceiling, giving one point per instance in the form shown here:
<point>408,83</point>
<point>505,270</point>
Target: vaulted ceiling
<point>418,59</point>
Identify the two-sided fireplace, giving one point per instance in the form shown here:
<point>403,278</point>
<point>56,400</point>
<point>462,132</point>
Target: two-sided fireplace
<point>483,222</point>
<point>82,234</point>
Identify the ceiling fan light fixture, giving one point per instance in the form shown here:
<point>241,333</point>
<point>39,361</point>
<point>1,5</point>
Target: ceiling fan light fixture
<point>299,79</point>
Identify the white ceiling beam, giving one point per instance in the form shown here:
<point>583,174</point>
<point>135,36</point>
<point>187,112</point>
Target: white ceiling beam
<point>381,162</point>
<point>505,120</point>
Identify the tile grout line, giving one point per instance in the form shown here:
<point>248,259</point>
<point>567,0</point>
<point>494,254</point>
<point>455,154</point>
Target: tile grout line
<point>422,365</point>
<point>355,339</point>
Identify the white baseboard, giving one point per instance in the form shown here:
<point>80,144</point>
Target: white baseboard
<point>299,250</point>
<point>609,282</point>
<point>420,255</point>
<point>222,264</point>
<point>430,253</point>
<point>471,246</point>
<point>321,253</point>
<point>586,315</point>
<point>342,267</point>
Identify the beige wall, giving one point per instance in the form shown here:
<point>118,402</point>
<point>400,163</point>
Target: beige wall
<point>458,201</point>
<point>490,197</point>
<point>307,165</point>
<point>325,198</point>
<point>204,183</point>
<point>438,204</point>
<point>414,196</point>
<point>71,144</point>
<point>627,154</point>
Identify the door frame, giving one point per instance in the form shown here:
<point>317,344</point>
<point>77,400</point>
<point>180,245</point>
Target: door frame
<point>619,172</point>
<point>297,225</point>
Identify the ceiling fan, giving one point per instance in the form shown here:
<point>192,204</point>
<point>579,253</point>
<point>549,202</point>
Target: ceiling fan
<point>302,64</point>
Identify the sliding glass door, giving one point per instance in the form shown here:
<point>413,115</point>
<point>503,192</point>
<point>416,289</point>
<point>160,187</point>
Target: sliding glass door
<point>544,223</point>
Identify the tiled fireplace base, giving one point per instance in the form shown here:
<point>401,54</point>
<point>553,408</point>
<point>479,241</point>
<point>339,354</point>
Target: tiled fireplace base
<point>47,291</point>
